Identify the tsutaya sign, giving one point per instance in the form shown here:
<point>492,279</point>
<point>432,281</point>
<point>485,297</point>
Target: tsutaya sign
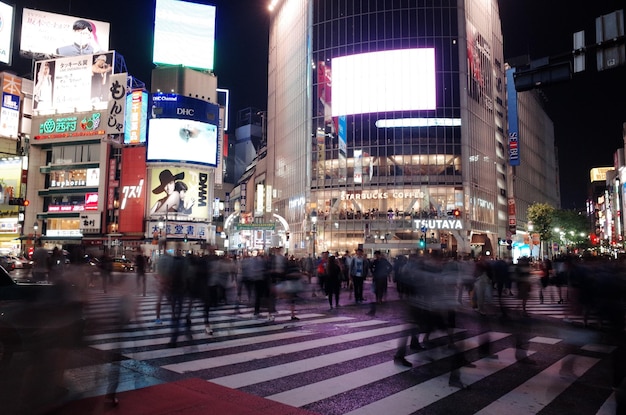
<point>439,223</point>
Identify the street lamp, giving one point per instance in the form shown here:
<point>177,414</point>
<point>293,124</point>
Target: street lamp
<point>314,229</point>
<point>36,228</point>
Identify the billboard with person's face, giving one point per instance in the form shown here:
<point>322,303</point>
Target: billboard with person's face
<point>46,35</point>
<point>71,84</point>
<point>179,193</point>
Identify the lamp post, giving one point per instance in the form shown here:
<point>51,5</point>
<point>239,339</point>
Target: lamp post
<point>36,228</point>
<point>314,229</point>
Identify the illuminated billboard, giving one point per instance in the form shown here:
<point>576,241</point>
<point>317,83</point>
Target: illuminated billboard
<point>10,106</point>
<point>184,34</point>
<point>136,117</point>
<point>81,124</point>
<point>179,193</point>
<point>10,176</point>
<point>46,35</point>
<point>6,32</point>
<point>67,85</point>
<point>183,130</point>
<point>392,80</point>
<point>132,190</point>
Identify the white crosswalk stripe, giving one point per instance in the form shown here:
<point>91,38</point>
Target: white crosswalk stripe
<point>293,362</point>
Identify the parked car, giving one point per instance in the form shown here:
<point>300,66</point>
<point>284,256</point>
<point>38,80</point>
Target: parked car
<point>123,265</point>
<point>37,315</point>
<point>7,263</point>
<point>21,262</point>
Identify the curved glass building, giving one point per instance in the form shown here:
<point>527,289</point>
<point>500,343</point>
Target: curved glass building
<point>386,125</point>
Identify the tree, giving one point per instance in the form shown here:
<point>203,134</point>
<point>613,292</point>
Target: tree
<point>574,227</point>
<point>541,215</point>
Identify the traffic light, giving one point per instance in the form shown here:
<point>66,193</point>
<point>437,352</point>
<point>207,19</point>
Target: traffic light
<point>18,201</point>
<point>422,243</point>
<point>456,213</point>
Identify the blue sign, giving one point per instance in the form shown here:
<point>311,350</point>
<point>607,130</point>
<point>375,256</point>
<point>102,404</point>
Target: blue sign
<point>185,108</point>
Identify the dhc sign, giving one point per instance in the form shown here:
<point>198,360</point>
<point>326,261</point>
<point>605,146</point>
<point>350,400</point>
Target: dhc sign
<point>182,107</point>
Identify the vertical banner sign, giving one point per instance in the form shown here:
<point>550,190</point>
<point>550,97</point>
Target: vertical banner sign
<point>133,190</point>
<point>116,109</point>
<point>512,218</point>
<point>321,154</point>
<point>343,149</point>
<point>112,184</point>
<point>358,166</point>
<point>514,159</point>
<point>10,109</point>
<point>136,124</point>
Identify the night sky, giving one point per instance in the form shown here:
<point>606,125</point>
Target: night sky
<point>587,111</point>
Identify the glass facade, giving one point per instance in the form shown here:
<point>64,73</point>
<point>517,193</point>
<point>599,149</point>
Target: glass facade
<point>380,169</point>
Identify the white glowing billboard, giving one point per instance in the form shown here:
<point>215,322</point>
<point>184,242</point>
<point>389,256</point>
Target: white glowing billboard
<point>71,84</point>
<point>6,32</point>
<point>184,34</point>
<point>392,80</point>
<point>46,35</point>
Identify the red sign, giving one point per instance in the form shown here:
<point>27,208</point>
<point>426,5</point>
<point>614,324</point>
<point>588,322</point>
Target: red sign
<point>132,190</point>
<point>67,208</point>
<point>91,201</point>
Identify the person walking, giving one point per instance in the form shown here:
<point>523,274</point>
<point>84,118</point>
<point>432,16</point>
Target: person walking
<point>482,286</point>
<point>522,278</point>
<point>358,272</point>
<point>334,276</point>
<point>140,269</point>
<point>41,262</point>
<point>381,269</point>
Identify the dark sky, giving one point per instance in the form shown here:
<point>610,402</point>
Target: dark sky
<point>241,42</point>
<point>587,111</point>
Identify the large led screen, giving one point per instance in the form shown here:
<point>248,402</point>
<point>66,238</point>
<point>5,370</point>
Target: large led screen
<point>184,34</point>
<point>393,80</point>
<point>46,35</point>
<point>183,130</point>
<point>178,140</point>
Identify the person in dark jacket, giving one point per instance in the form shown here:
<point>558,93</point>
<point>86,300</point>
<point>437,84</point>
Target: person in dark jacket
<point>381,269</point>
<point>333,281</point>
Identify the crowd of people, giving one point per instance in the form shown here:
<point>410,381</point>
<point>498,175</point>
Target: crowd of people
<point>433,289</point>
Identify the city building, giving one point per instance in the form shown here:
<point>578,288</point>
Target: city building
<point>387,129</point>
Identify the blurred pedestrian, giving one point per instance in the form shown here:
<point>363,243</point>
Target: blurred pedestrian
<point>483,286</point>
<point>522,280</point>
<point>381,269</point>
<point>176,296</point>
<point>106,267</point>
<point>140,269</point>
<point>41,262</point>
<point>56,265</point>
<point>334,276</point>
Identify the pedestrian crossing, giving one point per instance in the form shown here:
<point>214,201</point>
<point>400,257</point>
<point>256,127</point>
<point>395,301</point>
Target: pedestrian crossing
<point>341,362</point>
